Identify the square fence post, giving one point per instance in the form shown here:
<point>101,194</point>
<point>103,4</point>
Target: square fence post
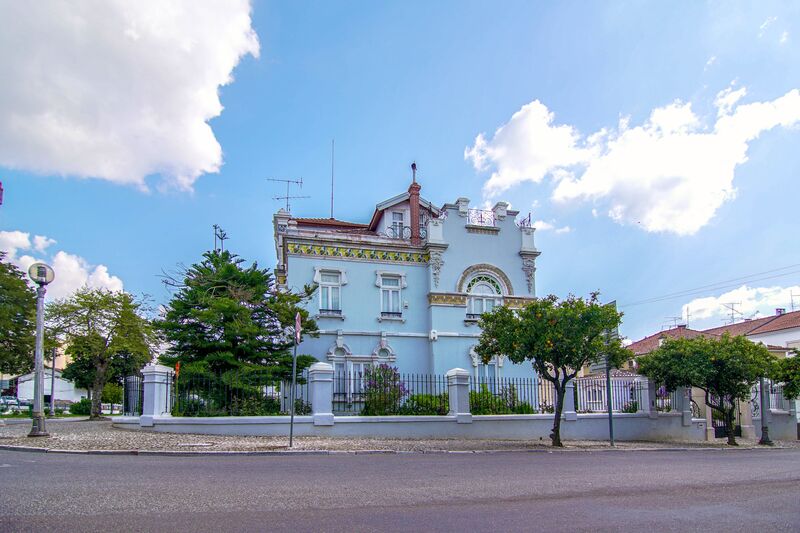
<point>320,379</point>
<point>685,393</point>
<point>156,381</point>
<point>458,395</point>
<point>647,397</point>
<point>569,412</point>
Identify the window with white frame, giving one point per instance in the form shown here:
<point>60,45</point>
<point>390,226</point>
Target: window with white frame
<point>390,296</point>
<point>397,224</point>
<point>348,379</point>
<point>330,293</point>
<point>487,374</point>
<point>484,295</point>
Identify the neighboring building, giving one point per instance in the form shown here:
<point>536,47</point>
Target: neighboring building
<point>781,330</point>
<point>408,287</point>
<point>65,390</point>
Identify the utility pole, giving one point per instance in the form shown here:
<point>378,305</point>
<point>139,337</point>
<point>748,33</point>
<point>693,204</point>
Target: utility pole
<point>42,275</point>
<point>53,384</point>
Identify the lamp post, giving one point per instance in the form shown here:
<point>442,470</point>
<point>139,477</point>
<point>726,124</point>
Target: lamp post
<point>42,275</point>
<point>764,399</point>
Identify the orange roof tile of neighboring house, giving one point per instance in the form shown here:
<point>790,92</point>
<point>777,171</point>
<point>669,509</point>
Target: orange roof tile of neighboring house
<point>740,328</point>
<point>330,222</point>
<point>648,344</point>
<point>778,322</point>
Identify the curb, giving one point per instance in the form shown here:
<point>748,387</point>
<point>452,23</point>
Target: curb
<point>188,453</point>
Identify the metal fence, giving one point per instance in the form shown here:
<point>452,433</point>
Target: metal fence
<point>237,394</point>
<point>500,396</point>
<point>381,390</point>
<point>668,401</point>
<point>776,398</point>
<point>591,396</point>
<point>132,395</point>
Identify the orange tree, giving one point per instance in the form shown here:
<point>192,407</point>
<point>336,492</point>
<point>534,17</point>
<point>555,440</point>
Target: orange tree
<point>557,337</point>
<point>725,368</point>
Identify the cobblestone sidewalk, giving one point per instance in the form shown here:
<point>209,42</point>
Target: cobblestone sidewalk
<point>85,435</point>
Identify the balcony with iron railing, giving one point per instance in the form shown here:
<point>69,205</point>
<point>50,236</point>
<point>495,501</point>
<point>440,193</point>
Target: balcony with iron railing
<point>404,232</point>
<point>481,217</point>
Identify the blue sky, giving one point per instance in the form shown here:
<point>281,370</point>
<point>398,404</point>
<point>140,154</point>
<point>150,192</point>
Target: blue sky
<point>415,81</point>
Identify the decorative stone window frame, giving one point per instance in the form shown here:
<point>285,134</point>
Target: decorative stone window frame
<point>379,274</point>
<point>383,344</point>
<point>485,268</point>
<point>476,359</point>
<point>318,271</point>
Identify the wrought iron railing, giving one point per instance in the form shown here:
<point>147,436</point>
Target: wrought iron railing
<point>591,395</point>
<point>480,217</point>
<point>501,396</point>
<point>382,390</point>
<point>391,314</point>
<point>330,312</point>
<point>238,393</point>
<point>404,232</point>
<point>473,316</point>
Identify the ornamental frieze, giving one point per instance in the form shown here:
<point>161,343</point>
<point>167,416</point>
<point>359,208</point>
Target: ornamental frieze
<point>447,298</point>
<point>516,302</point>
<point>351,252</point>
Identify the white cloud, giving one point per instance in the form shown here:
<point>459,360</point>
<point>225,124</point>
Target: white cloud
<point>766,24</point>
<point>784,37</point>
<point>542,225</point>
<point>118,90</point>
<point>751,302</point>
<point>669,174</point>
<point>72,271</point>
<point>710,62</point>
<point>508,150</point>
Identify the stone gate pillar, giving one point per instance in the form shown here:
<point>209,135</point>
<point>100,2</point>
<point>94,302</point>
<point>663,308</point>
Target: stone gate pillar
<point>458,395</point>
<point>157,384</point>
<point>320,377</point>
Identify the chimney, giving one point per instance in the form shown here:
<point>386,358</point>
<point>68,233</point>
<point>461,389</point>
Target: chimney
<point>779,311</point>
<point>413,201</point>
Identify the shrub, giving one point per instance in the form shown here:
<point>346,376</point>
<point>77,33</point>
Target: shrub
<point>426,404</point>
<point>255,406</point>
<point>631,407</point>
<point>83,407</point>
<point>484,402</point>
<point>301,407</point>
<point>383,391</point>
<point>524,408</point>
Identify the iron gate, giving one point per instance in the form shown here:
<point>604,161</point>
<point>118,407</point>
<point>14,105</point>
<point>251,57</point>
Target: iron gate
<point>719,424</point>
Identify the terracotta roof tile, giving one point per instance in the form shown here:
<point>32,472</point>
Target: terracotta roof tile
<point>331,222</point>
<point>740,328</point>
<point>648,344</point>
<point>778,322</point>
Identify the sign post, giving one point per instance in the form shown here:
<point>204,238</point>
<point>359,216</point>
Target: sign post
<point>297,325</point>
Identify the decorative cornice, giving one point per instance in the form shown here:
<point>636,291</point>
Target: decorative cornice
<point>357,253</point>
<point>447,298</point>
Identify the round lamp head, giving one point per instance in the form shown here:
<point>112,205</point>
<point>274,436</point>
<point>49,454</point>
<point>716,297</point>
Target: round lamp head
<point>41,274</point>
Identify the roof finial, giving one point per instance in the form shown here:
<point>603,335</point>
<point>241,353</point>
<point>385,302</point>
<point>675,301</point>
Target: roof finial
<point>414,172</point>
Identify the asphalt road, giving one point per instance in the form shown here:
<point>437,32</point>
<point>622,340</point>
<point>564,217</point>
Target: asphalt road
<point>709,490</point>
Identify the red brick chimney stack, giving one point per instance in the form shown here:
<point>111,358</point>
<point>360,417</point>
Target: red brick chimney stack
<point>413,200</point>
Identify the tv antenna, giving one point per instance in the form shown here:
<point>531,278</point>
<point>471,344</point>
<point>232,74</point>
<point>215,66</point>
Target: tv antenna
<point>675,320</point>
<point>219,236</point>
<point>731,306</point>
<point>333,152</point>
<point>287,197</point>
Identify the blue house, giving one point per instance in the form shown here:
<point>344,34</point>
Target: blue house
<point>407,288</point>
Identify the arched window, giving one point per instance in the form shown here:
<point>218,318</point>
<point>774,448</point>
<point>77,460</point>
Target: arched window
<point>484,294</point>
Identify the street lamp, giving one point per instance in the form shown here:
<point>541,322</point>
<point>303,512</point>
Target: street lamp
<point>42,275</point>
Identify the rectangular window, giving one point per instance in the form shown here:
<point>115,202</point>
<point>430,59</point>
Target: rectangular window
<point>397,224</point>
<point>390,296</point>
<point>330,293</point>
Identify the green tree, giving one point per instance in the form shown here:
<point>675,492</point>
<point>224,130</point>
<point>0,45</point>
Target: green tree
<point>725,368</point>
<point>787,371</point>
<point>226,317</point>
<point>17,320</point>
<point>100,327</point>
<point>557,337</point>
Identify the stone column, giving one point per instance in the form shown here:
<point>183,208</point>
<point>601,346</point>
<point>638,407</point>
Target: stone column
<point>157,382</point>
<point>569,412</point>
<point>458,394</point>
<point>320,376</point>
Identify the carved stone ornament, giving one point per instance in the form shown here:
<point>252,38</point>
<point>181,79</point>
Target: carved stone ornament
<point>436,263</point>
<point>529,268</point>
<point>474,356</point>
